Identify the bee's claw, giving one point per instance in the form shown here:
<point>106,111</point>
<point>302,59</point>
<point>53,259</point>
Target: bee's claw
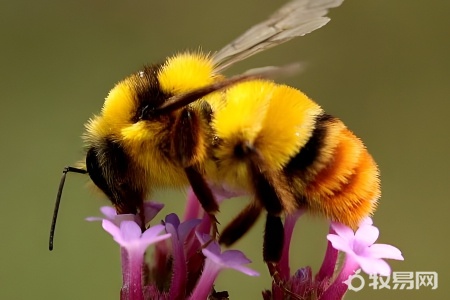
<point>214,231</point>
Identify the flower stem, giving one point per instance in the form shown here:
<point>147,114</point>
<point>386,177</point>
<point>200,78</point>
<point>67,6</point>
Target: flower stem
<point>178,284</point>
<point>338,289</point>
<point>206,281</point>
<point>132,276</point>
<point>192,209</point>
<point>289,225</point>
<point>329,262</point>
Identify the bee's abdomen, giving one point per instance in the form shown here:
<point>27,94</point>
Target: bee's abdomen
<point>334,175</point>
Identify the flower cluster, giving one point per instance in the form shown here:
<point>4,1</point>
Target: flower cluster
<point>330,282</point>
<point>186,261</point>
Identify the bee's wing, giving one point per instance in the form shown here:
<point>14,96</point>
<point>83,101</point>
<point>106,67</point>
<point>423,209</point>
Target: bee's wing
<point>296,18</point>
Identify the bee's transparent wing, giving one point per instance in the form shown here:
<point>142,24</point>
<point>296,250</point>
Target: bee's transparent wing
<point>296,18</point>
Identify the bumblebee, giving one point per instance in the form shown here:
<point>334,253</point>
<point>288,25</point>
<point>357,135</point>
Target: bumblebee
<point>182,122</point>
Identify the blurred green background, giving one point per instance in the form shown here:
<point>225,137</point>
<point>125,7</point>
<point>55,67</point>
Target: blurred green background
<point>381,66</point>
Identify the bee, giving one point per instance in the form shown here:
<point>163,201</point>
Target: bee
<point>182,122</point>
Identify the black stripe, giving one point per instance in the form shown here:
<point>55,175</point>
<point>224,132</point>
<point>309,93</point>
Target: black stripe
<point>309,153</point>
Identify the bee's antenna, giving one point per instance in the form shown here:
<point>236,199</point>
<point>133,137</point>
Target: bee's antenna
<point>58,200</point>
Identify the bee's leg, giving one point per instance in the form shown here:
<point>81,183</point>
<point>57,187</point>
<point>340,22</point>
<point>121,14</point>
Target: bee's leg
<point>269,189</point>
<point>204,196</point>
<point>274,242</point>
<point>273,239</point>
<point>189,148</point>
<point>273,246</point>
<point>272,191</point>
<point>241,224</point>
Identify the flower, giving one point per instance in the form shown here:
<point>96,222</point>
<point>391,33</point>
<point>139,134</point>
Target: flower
<point>215,262</point>
<point>361,252</point>
<point>133,243</point>
<point>129,235</point>
<point>360,246</point>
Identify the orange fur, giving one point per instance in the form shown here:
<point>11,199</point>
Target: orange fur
<point>347,189</point>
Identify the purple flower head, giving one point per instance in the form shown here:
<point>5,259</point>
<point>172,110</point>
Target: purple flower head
<point>233,259</point>
<point>360,247</point>
<point>179,230</point>
<point>215,262</point>
<point>133,242</point>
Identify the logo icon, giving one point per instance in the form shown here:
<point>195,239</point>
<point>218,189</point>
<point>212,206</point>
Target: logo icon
<point>349,281</point>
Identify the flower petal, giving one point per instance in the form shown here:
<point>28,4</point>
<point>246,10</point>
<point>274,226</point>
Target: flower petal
<point>366,235</point>
<point>153,231</point>
<point>385,251</point>
<point>124,217</point>
<point>234,257</point>
<point>339,243</point>
<point>245,270</point>
<point>374,266</point>
<point>130,231</point>
<point>206,238</point>
<point>110,227</point>
<point>151,209</point>
<point>213,252</point>
<point>343,231</point>
<point>186,227</point>
<point>91,219</point>
<point>113,230</point>
<point>109,212</point>
<point>366,221</point>
<point>172,219</point>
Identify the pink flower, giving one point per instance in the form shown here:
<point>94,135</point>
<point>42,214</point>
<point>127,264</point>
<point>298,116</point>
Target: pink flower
<point>361,252</point>
<point>360,246</point>
<point>129,235</point>
<point>133,243</point>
